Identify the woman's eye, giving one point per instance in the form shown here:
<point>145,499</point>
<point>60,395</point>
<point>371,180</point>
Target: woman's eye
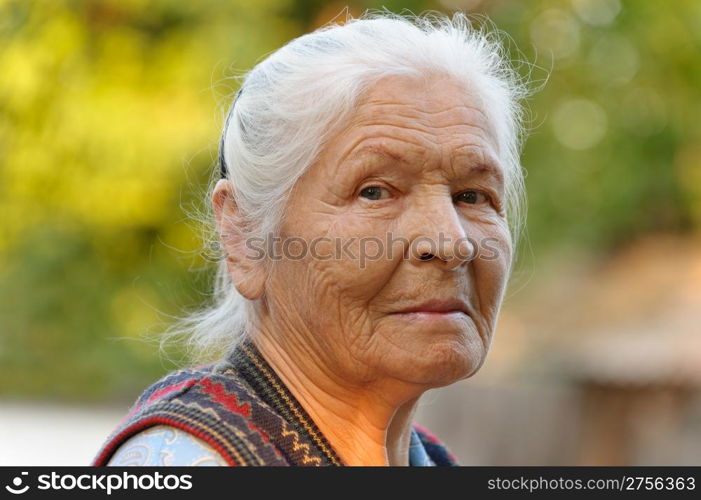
<point>472,197</point>
<point>373,192</point>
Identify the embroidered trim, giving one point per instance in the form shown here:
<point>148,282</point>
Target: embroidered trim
<point>281,399</point>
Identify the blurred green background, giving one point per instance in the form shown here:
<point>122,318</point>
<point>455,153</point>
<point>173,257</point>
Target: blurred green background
<point>110,113</point>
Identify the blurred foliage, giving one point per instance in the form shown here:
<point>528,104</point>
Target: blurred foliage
<point>109,119</point>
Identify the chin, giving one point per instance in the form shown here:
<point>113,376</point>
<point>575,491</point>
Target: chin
<point>441,363</point>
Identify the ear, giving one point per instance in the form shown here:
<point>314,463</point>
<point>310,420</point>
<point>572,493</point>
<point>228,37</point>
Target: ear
<point>246,263</point>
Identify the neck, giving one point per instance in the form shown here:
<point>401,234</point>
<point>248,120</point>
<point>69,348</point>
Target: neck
<point>368,425</point>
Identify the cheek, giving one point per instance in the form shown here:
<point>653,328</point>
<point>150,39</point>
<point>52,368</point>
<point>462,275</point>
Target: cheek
<point>345,266</point>
<point>492,267</point>
<point>355,259</point>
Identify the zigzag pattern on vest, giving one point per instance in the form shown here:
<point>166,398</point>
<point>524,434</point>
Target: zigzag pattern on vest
<point>241,408</point>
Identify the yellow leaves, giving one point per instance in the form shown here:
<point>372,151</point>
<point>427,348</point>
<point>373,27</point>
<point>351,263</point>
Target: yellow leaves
<point>94,130</point>
<point>108,121</point>
<point>121,53</point>
<point>20,78</point>
<point>62,33</point>
<point>32,59</point>
<point>109,154</point>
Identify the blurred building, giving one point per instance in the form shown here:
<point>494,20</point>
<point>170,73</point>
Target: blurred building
<point>603,367</point>
<point>639,380</point>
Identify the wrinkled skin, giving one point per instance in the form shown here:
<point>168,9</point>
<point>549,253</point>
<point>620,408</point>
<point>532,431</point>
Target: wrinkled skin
<point>330,326</point>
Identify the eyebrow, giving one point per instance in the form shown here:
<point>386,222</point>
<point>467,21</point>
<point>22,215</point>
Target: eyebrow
<point>376,150</point>
<point>477,163</point>
<point>480,164</point>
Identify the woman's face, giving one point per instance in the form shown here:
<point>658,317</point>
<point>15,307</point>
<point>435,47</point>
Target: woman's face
<point>415,166</point>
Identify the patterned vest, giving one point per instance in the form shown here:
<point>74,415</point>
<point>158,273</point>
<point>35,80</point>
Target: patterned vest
<point>241,408</point>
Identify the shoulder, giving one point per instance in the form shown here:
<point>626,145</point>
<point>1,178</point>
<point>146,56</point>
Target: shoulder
<point>207,407</point>
<point>204,389</point>
<point>162,445</point>
<point>435,448</point>
<point>174,384</point>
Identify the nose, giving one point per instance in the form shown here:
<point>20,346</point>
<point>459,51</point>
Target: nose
<point>440,234</point>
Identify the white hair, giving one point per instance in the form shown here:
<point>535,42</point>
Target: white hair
<point>290,104</point>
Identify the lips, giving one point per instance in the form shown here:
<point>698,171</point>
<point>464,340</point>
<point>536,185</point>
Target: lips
<point>444,306</point>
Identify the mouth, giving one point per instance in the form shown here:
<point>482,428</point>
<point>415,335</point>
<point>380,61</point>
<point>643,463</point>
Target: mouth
<point>436,307</point>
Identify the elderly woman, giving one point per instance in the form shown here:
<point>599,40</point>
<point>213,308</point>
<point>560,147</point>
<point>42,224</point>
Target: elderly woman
<point>367,211</point>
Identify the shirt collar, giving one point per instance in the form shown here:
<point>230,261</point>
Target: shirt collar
<point>418,457</point>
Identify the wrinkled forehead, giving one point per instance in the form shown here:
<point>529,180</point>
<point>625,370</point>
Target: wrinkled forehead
<point>417,115</point>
